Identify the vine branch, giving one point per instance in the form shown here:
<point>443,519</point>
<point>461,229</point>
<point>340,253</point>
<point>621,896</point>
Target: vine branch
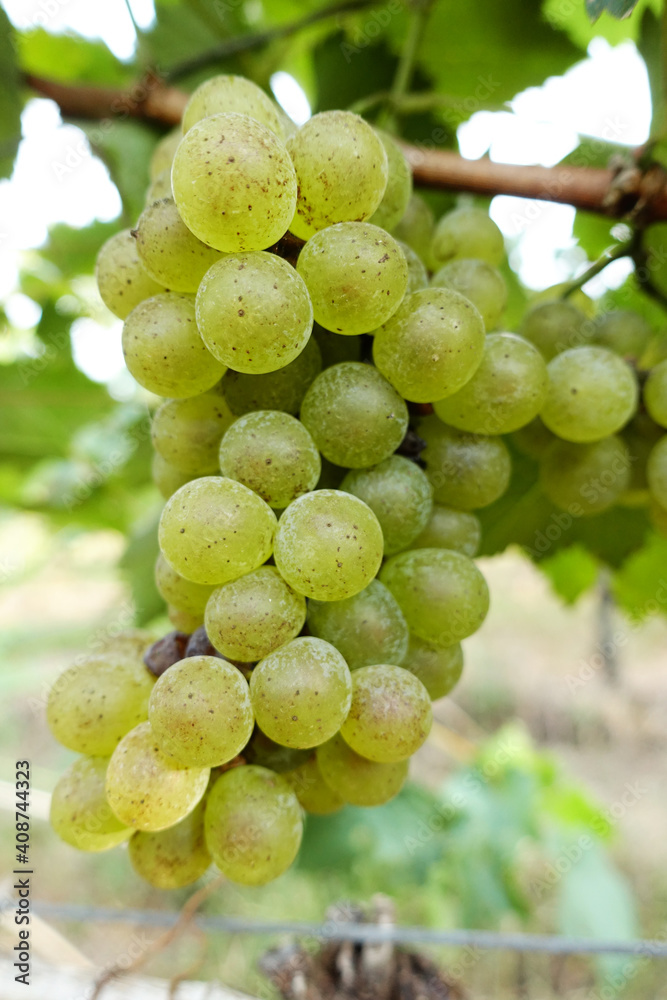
<point>588,188</point>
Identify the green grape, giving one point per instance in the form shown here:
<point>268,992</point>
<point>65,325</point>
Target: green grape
<point>234,183</point>
<point>359,781</point>
<point>341,169</point>
<point>271,453</point>
<point>442,594</point>
<point>283,389</point>
<point>390,715</point>
<point>398,191</point>
<point>172,858</point>
<point>129,644</point>
<point>655,393</point>
<point>656,472</point>
<point>417,273</point>
<point>533,439</point>
<point>301,692</point>
<point>432,346</point>
<point>168,250</point>
<point>146,789</point>
<point>200,712</point>
<point>185,621</point>
<point>448,528</point>
<point>416,228</point>
<point>399,494</point>
<point>555,327</point>
<point>658,518</point>
<point>334,348</point>
<point>80,813</point>
<point>506,392</point>
<point>122,281</point>
<point>159,188</point>
<point>186,433</point>
<point>227,93</point>
<point>246,619</point>
<point>354,415</point>
<point>592,393</point>
<point>356,276</point>
<point>166,476</point>
<point>312,791</point>
<point>163,348</point>
<point>254,312</point>
<point>164,152</point>
<point>467,232</point>
<point>367,628</point>
<point>253,824</point>
<point>623,331</point>
<point>479,282</point>
<point>640,435</point>
<point>96,701</point>
<point>180,593</point>
<point>439,668</point>
<point>585,478</point>
<point>467,471</point>
<point>213,530</point>
<point>554,293</point>
<point>328,545</point>
<point>261,750</point>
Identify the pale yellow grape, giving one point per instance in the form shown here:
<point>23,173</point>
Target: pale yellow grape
<point>367,628</point>
<point>416,228</point>
<point>390,715</point>
<point>253,825</point>
<point>159,188</point>
<point>328,545</point>
<point>80,813</point>
<point>213,530</point>
<point>354,415</point>
<point>399,494</point>
<point>166,476</point>
<point>417,273</point>
<point>121,278</point>
<point>448,528</point>
<point>442,594</point>
<point>431,346</point>
<point>555,327</point>
<point>185,621</point>
<point>623,331</point>
<point>187,432</point>
<point>129,643</point>
<point>479,282</point>
<point>180,593</point>
<point>163,154</point>
<point>359,781</point>
<point>254,312</point>
<point>655,394</point>
<point>226,93</point>
<point>656,472</point>
<point>312,791</point>
<point>554,293</point>
<point>585,479</point>
<point>533,439</point>
<point>234,183</point>
<point>172,858</point>
<point>301,692</point>
<point>163,348</point>
<point>592,393</point>
<point>148,790</point>
<point>356,275</point>
<point>341,168</point>
<point>467,471</point>
<point>467,232</point>
<point>398,191</point>
<point>168,250</point>
<point>200,712</point>
<point>283,389</point>
<point>506,392</point>
<point>439,668</point>
<point>273,454</point>
<point>95,702</point>
<point>246,619</point>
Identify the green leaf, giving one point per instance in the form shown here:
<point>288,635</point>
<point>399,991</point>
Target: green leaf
<point>617,8</point>
<point>593,233</point>
<point>70,58</point>
<point>10,98</point>
<point>640,585</point>
<point>125,147</point>
<point>178,34</point>
<point>73,251</point>
<point>571,572</point>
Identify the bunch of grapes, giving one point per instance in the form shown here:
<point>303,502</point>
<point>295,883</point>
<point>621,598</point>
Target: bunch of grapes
<point>336,392</point>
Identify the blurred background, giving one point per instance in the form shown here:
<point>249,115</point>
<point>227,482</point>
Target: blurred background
<point>539,802</point>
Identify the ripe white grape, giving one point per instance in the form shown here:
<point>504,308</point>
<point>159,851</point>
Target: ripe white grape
<point>655,394</point>
<point>168,251</point>
<point>656,472</point>
<point>172,858</point>
<point>416,228</point>
<point>357,780</point>
<point>399,494</point>
<point>448,528</point>
<point>398,191</point>
<point>80,813</point>
<point>439,668</point>
<point>467,232</point>
<point>282,389</point>
<point>121,278</point>
<point>479,282</point>
<point>555,327</point>
<point>226,93</point>
<point>178,592</point>
<point>390,715</point>
<point>312,791</point>
<point>588,477</point>
<point>186,433</point>
<point>467,471</point>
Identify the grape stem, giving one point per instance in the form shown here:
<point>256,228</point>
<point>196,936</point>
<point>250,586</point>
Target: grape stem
<point>613,253</point>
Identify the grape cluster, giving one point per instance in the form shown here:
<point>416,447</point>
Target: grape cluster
<point>335,401</point>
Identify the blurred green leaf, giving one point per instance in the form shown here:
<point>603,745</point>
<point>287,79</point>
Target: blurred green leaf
<point>640,585</point>
<point>593,233</point>
<point>571,571</point>
<point>125,147</point>
<point>70,58</point>
<point>73,251</point>
<point>138,564</point>
<point>10,98</point>
<point>617,8</point>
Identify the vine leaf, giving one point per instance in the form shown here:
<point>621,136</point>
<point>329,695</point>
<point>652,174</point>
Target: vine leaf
<point>617,8</point>
<point>10,99</point>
